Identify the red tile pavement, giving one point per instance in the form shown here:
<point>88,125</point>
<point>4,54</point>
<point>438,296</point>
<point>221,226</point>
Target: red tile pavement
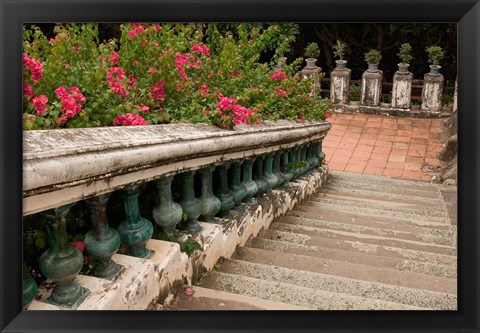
<point>383,145</point>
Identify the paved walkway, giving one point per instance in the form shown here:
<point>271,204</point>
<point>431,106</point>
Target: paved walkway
<point>383,145</point>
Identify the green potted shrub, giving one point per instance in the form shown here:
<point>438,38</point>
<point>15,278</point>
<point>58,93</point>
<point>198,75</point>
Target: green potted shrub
<point>405,57</point>
<point>312,52</point>
<point>339,51</point>
<point>373,58</point>
<point>435,54</point>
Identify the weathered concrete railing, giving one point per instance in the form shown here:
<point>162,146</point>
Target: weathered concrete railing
<point>62,167</point>
<point>401,94</point>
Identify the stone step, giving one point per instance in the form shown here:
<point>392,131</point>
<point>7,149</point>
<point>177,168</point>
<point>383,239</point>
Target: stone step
<point>313,235</point>
<point>348,270</point>
<point>383,188</point>
<point>427,235</point>
<point>296,294</point>
<point>369,194</point>
<point>383,180</point>
<point>377,211</point>
<point>305,210</point>
<point>210,299</point>
<point>341,285</point>
<point>366,254</point>
<point>415,209</point>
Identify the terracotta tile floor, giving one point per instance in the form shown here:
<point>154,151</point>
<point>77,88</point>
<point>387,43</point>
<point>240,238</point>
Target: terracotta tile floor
<point>383,145</point>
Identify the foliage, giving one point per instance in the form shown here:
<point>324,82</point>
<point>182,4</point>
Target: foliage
<point>187,243</point>
<point>435,54</point>
<point>339,49</point>
<point>355,91</point>
<point>312,50</point>
<point>405,53</point>
<point>296,165</point>
<point>373,57</point>
<point>160,74</point>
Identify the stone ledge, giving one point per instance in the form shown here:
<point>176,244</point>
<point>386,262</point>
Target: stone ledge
<point>388,111</point>
<point>68,165</point>
<point>147,282</point>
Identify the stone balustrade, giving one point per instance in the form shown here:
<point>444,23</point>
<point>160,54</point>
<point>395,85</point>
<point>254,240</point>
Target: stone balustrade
<point>244,179</point>
<point>401,94</point>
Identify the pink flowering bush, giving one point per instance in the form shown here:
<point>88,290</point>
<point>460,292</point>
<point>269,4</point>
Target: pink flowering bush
<point>161,73</point>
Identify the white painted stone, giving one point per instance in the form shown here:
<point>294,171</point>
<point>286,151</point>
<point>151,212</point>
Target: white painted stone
<point>402,90</point>
<point>371,88</point>
<point>340,86</point>
<point>432,93</point>
<point>212,244</point>
<point>137,283</point>
<point>103,294</point>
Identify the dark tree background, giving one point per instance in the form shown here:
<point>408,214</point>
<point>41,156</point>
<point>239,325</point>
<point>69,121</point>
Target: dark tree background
<point>360,38</point>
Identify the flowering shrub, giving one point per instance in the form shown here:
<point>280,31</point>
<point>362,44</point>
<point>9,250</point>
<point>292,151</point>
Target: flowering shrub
<point>159,74</point>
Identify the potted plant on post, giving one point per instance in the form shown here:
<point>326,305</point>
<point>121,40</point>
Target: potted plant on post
<point>405,57</point>
<point>435,54</point>
<point>339,51</point>
<point>312,52</point>
<point>373,58</point>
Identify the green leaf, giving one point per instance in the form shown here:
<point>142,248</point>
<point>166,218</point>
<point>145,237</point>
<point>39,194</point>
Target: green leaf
<point>40,242</point>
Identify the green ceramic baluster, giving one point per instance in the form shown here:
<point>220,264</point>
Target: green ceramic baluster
<point>269,176</point>
<point>288,174</point>
<point>303,156</point>
<point>211,204</point>
<point>191,205</point>
<point>226,198</point>
<point>135,231</point>
<point>258,177</point>
<point>167,213</point>
<point>319,153</point>
<point>248,182</point>
<point>237,189</point>
<point>102,242</point>
<point>276,169</point>
<point>29,290</point>
<point>61,263</point>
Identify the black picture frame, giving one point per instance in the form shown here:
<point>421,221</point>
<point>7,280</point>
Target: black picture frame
<point>13,13</point>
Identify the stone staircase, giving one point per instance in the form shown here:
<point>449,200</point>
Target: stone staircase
<point>361,243</point>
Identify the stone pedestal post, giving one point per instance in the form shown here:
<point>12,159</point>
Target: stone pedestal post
<point>371,88</point>
<point>402,90</point>
<point>312,70</point>
<point>432,93</point>
<point>339,86</point>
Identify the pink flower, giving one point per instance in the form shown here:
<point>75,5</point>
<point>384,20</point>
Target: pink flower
<point>67,66</point>
<point>225,102</point>
<point>301,117</point>
<point>143,108</point>
<point>115,77</point>
<point>52,41</point>
<point>189,291</point>
<point>61,92</point>
<point>138,29</point>
<point>63,119</point>
<point>129,119</point>
<point>39,104</point>
<point>78,245</point>
<point>201,49</point>
<point>281,92</point>
<point>34,66</point>
<point>28,90</point>
<point>204,89</point>
<point>279,76</point>
<point>135,63</point>
<point>157,27</point>
<point>158,91</point>
<point>114,57</point>
<point>180,61</point>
